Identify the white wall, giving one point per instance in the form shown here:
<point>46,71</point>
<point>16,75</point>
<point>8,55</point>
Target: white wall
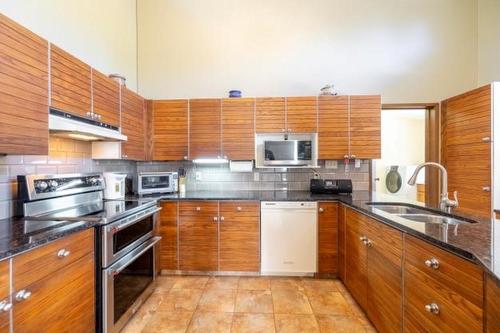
<point>101,33</point>
<point>407,50</point>
<point>488,41</point>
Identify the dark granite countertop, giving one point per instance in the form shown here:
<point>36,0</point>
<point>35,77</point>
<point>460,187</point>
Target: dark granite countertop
<point>478,242</point>
<point>473,241</point>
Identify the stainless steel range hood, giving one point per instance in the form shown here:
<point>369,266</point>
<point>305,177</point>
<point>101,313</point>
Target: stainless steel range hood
<point>62,124</point>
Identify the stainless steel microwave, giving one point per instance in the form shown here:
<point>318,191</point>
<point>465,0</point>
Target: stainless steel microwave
<point>288,153</point>
<point>156,182</point>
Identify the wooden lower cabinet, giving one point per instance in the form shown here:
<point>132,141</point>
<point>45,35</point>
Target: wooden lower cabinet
<point>341,242</point>
<point>443,293</point>
<point>4,295</point>
<point>373,269</point>
<point>327,237</point>
<point>168,229</point>
<point>492,304</point>
<point>239,239</point>
<point>198,229</point>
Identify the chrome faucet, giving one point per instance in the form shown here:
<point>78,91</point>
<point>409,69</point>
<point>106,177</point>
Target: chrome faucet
<point>445,203</point>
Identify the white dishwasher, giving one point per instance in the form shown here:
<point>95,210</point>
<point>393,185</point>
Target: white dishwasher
<point>289,238</point>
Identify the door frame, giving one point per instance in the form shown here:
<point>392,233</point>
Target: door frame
<point>432,145</point>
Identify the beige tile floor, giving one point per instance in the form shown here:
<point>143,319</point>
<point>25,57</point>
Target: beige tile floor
<point>248,304</point>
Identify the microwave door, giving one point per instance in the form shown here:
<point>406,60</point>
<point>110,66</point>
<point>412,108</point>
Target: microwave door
<point>284,153</point>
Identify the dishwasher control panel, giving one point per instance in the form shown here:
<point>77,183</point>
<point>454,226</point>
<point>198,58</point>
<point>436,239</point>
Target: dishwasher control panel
<point>289,204</point>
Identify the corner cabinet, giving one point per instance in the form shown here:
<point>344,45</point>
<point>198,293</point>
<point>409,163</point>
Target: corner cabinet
<point>349,127</point>
<point>24,79</point>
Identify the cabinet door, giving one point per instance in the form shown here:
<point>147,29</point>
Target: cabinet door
<point>238,128</point>
<point>70,87</point>
<point>302,114</point>
<point>106,98</point>
<point>466,145</point>
<point>168,233</point>
<point>4,295</point>
<point>492,305</point>
<point>170,130</point>
<point>341,242</point>
<point>327,237</point>
<point>198,229</point>
<point>365,136</point>
<point>62,302</point>
<point>270,115</point>
<point>204,128</point>
<point>384,275</point>
<point>24,93</point>
<point>239,236</point>
<point>333,127</point>
<point>133,125</point>
<point>355,256</point>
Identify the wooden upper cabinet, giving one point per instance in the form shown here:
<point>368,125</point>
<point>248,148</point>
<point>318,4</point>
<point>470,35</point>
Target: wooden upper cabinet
<point>24,93</point>
<point>239,238</point>
<point>466,149</point>
<point>365,125</point>
<point>356,257</point>
<point>70,83</point>
<point>302,114</point>
<point>384,276</point>
<point>198,229</point>
<point>238,128</point>
<point>205,128</point>
<point>328,237</point>
<point>270,115</point>
<point>168,233</point>
<point>106,98</point>
<point>170,129</point>
<point>333,127</point>
<point>133,125</point>
<point>492,305</point>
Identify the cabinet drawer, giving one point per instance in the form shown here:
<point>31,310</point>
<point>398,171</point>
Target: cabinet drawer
<point>38,263</point>
<point>62,302</point>
<point>236,209</point>
<point>457,274</point>
<point>198,208</point>
<point>455,312</point>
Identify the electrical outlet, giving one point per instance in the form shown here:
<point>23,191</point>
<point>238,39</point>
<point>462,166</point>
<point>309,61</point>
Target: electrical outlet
<point>331,164</point>
<point>256,176</point>
<point>357,163</point>
<point>198,175</point>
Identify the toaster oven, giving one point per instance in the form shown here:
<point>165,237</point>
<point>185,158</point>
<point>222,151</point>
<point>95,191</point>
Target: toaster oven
<point>156,182</point>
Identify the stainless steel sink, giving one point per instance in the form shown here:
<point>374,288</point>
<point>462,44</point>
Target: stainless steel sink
<point>416,214</point>
<point>430,218</point>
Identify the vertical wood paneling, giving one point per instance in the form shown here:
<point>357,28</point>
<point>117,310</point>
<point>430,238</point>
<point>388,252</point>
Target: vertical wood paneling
<point>238,128</point>
<point>333,127</point>
<point>168,233</point>
<point>492,304</point>
<point>302,114</point>
<point>170,130</point>
<point>106,98</point>
<point>365,126</point>
<point>70,83</point>
<point>205,128</point>
<point>24,92</point>
<point>270,115</point>
<point>133,120</point>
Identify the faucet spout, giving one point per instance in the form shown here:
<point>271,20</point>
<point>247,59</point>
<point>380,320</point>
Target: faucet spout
<point>445,203</point>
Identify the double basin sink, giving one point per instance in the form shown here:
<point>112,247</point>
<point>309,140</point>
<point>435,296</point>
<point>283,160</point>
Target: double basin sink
<point>416,214</point>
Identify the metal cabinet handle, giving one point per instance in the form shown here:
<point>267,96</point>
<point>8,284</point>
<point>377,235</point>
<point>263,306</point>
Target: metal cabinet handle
<point>432,263</point>
<point>486,139</point>
<point>23,295</point>
<point>282,129</point>
<point>5,306</point>
<point>185,157</point>
<point>216,219</point>
<point>225,157</point>
<point>353,156</point>
<point>432,308</point>
<point>289,130</point>
<point>238,209</point>
<point>198,209</point>
<point>486,188</point>
<point>368,243</point>
<point>346,157</point>
<point>363,238</point>
<point>222,218</point>
<point>321,210</point>
<point>62,253</point>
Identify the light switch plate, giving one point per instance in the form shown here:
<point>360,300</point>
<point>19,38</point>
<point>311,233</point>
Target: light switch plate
<point>331,164</point>
<point>198,175</point>
<point>357,163</point>
<point>256,176</point>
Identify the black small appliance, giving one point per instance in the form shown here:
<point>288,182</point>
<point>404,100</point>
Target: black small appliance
<point>331,186</point>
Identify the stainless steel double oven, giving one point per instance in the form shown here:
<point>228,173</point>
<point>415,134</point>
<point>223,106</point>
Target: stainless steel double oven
<point>125,242</point>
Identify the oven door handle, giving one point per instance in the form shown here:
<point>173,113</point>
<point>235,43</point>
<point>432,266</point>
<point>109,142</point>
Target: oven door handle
<point>114,271</point>
<point>137,217</point>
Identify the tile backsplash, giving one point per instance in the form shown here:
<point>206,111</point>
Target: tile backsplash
<point>72,156</point>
